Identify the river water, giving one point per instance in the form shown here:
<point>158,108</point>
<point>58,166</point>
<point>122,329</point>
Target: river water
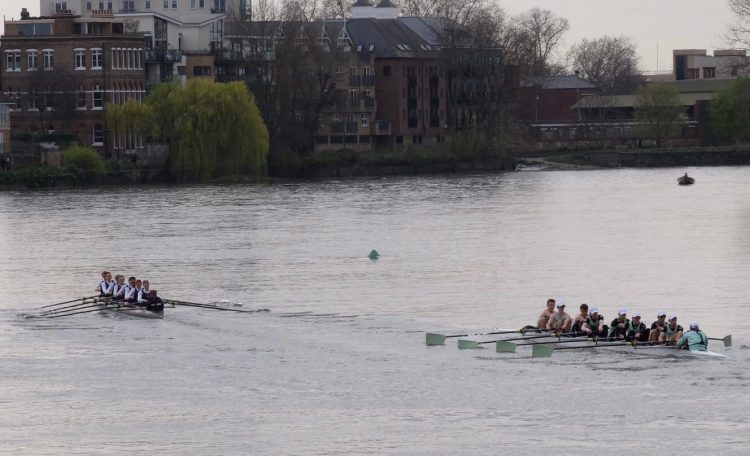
<point>338,364</point>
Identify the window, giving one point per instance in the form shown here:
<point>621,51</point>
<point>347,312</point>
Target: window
<point>353,71</point>
<point>31,55</point>
<point>709,72</point>
<point>98,98</point>
<point>174,4</point>
<point>98,137</point>
<point>49,59</point>
<point>128,5</point>
<point>96,59</point>
<point>339,73</point>
<point>13,60</point>
<point>201,71</point>
<point>201,3</point>
<point>80,59</point>
<point>365,120</point>
<point>48,102</point>
<point>692,73</point>
<point>353,95</point>
<point>367,71</point>
<point>88,6</point>
<point>101,6</point>
<point>166,4</point>
<point>81,98</point>
<point>148,4</point>
<point>192,4</point>
<point>61,6</point>
<point>109,6</point>
<point>33,100</point>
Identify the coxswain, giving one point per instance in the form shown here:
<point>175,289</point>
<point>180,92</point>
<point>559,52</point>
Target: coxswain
<point>594,325</point>
<point>657,327</point>
<point>580,319</point>
<point>672,332</point>
<point>559,322</point>
<point>118,291</point>
<point>619,327</point>
<point>131,292</point>
<point>694,339</point>
<point>543,319</point>
<point>637,330</point>
<point>147,297</point>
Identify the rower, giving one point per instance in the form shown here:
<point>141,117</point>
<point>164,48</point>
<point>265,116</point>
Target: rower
<point>618,328</point>
<point>637,330</point>
<point>541,323</point>
<point>106,284</point>
<point>580,319</point>
<point>594,325</point>
<point>559,321</point>
<point>657,327</point>
<point>672,332</point>
<point>131,292</point>
<point>119,289</point>
<point>694,339</point>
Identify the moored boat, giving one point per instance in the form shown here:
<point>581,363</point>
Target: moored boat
<point>685,180</point>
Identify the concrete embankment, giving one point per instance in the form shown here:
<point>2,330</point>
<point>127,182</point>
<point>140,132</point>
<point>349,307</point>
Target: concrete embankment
<point>642,158</point>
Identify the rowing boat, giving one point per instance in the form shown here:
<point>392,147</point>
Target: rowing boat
<point>545,350</point>
<point>139,312</point>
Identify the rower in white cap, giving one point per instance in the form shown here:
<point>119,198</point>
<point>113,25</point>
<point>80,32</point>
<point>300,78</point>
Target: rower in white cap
<point>637,330</point>
<point>594,325</point>
<point>657,327</point>
<point>672,332</point>
<point>694,339</point>
<point>559,321</point>
<point>619,327</point>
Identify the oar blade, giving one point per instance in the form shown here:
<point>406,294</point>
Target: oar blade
<point>465,344</point>
<point>542,351</point>
<point>434,339</point>
<point>727,341</point>
<point>503,346</point>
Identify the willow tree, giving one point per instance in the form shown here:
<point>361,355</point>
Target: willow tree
<point>213,129</point>
<point>730,112</point>
<point>659,109</point>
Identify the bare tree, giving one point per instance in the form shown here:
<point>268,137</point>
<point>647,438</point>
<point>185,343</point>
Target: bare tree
<point>544,30</point>
<point>611,63</point>
<point>738,32</point>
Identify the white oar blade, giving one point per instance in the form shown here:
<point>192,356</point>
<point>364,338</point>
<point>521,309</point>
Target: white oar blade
<point>542,351</point>
<point>503,346</point>
<point>434,339</point>
<point>465,344</point>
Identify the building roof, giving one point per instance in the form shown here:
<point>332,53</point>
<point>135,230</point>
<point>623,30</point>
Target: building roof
<point>700,85</point>
<point>559,83</point>
<point>630,101</point>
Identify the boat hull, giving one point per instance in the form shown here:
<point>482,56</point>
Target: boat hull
<point>137,312</point>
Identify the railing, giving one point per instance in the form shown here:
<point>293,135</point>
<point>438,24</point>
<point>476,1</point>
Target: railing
<point>337,127</point>
<point>382,127</point>
<point>369,102</point>
<point>352,127</point>
<point>354,81</point>
<point>354,102</point>
<point>104,12</point>
<point>169,56</point>
<point>368,80</point>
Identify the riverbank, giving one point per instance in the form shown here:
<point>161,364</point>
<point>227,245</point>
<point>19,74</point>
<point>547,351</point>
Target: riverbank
<point>637,158</point>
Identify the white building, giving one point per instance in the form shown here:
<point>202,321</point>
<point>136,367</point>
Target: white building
<point>697,64</point>
<point>182,36</point>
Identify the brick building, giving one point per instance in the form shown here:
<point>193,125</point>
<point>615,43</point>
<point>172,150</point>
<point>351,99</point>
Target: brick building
<point>61,71</point>
<point>5,105</point>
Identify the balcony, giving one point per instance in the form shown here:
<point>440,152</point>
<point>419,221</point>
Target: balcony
<point>369,102</point>
<point>382,128</point>
<point>368,80</point>
<point>352,128</point>
<point>158,56</point>
<point>337,127</point>
<point>354,81</point>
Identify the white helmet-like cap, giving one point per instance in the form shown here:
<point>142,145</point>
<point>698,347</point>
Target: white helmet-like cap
<point>636,314</point>
<point>661,313</point>
<point>695,325</point>
<point>622,311</point>
<point>594,310</point>
<point>672,317</point>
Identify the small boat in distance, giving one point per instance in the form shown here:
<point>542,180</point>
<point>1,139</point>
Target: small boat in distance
<point>685,180</point>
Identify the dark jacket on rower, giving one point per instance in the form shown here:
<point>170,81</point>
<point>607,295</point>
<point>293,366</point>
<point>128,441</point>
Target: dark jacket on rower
<point>616,331</point>
<point>594,325</point>
<point>641,329</point>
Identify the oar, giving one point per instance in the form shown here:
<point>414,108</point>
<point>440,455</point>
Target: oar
<point>545,350</point>
<point>209,306</point>
<point>439,339</point>
<point>467,344</point>
<point>73,307</point>
<point>68,302</point>
<point>98,307</point>
<point>726,339</point>
<point>504,346</point>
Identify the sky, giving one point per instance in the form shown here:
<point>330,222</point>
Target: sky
<point>666,24</point>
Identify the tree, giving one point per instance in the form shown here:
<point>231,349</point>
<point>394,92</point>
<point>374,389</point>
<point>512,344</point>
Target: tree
<point>213,129</point>
<point>85,162</point>
<point>610,63</point>
<point>659,108</point>
<point>730,112</point>
<point>541,30</point>
<point>739,31</point>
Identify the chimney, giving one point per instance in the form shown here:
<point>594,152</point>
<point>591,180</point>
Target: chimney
<point>24,14</point>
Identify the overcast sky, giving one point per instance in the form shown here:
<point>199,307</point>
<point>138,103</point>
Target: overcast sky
<point>673,24</point>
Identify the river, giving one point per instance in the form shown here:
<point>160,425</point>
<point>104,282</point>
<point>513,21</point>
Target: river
<point>338,364</point>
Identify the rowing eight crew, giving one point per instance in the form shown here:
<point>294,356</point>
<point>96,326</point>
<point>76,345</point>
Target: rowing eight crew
<point>591,324</point>
<point>134,291</point>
